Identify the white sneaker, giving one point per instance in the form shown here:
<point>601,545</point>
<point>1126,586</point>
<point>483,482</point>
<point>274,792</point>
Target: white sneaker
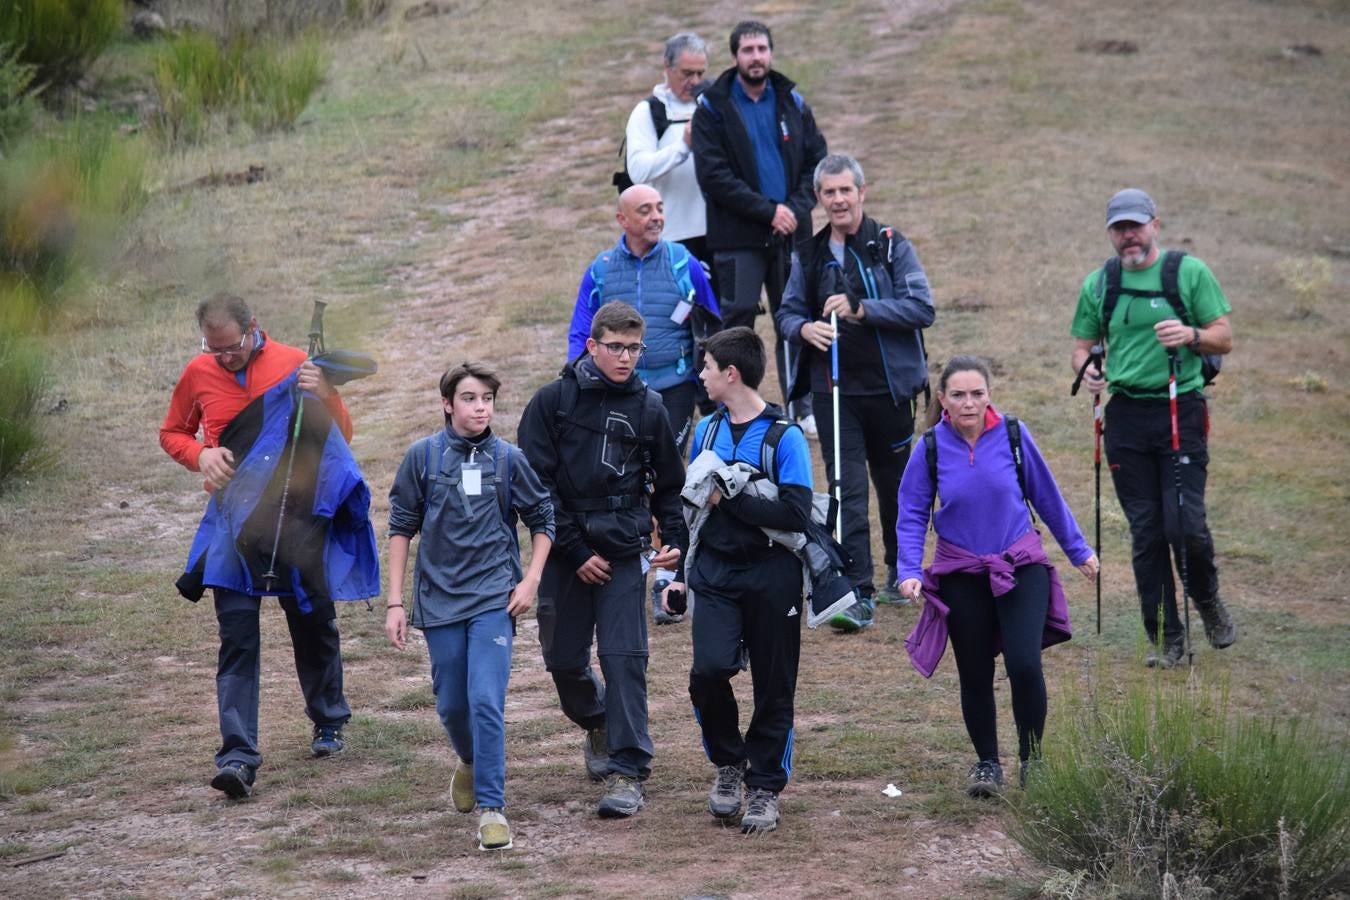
<point>808,425</point>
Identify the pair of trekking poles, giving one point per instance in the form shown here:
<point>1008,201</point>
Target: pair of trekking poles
<point>1096,358</point>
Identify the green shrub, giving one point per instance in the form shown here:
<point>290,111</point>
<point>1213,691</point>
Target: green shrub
<point>264,81</point>
<point>22,379</point>
<point>59,37</point>
<point>16,103</point>
<point>62,195</point>
<point>1165,789</point>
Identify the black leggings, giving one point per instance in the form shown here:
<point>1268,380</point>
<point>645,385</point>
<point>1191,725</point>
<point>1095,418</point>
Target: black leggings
<point>976,620</point>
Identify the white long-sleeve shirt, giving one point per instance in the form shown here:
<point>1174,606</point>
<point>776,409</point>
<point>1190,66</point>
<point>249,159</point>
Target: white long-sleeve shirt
<point>667,164</point>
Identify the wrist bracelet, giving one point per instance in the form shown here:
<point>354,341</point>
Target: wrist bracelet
<point>1195,339</point>
<point>393,606</point>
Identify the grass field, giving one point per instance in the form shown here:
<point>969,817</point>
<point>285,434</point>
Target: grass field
<point>444,192</point>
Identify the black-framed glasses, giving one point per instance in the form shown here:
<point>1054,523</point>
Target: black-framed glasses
<point>226,351</point>
<point>614,348</point>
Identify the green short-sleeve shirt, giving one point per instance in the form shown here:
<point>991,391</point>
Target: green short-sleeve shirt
<point>1136,363</point>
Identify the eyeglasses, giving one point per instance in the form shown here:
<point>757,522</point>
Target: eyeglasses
<point>614,348</point>
<point>225,351</point>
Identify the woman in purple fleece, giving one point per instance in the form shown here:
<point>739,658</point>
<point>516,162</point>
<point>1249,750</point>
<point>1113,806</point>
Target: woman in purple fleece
<point>990,586</point>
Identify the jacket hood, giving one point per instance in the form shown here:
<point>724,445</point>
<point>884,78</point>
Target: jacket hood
<point>462,445</point>
<point>588,377</point>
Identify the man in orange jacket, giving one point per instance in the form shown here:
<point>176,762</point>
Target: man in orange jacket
<point>238,363</point>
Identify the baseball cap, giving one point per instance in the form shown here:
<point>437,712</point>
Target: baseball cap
<point>1130,205</point>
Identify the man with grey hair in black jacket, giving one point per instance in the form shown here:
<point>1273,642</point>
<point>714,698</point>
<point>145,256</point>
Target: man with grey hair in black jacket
<point>868,277</point>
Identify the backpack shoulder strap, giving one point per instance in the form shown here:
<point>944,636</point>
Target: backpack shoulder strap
<point>930,457</point>
<point>797,99</point>
<point>679,267</point>
<point>435,450</point>
<point>1171,286</point>
<point>1014,428</point>
<point>1109,285</point>
<point>768,447</point>
<point>710,433</point>
<point>660,118</point>
<point>567,401</point>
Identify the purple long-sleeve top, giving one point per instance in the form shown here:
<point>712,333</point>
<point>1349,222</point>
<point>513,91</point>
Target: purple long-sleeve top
<point>981,508</point>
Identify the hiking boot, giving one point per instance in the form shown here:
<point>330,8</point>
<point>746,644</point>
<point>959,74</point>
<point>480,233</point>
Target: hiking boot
<point>595,748</point>
<point>623,797</point>
<point>1220,628</point>
<point>807,423</point>
<point>1169,656</point>
<point>461,788</point>
<point>1029,768</point>
<point>728,792</point>
<point>890,591</point>
<point>327,741</point>
<point>855,618</point>
<point>235,780</point>
<point>985,779</point>
<point>761,812</point>
<point>493,832</point>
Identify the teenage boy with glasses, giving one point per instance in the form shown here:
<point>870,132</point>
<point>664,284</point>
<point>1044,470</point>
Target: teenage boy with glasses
<point>602,445</point>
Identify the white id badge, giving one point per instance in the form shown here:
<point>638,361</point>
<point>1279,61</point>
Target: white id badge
<point>471,476</point>
<point>681,312</point>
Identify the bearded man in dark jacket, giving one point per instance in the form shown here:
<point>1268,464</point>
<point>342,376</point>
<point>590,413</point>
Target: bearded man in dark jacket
<point>756,146</point>
<point>602,444</point>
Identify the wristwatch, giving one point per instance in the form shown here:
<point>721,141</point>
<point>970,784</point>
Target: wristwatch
<point>1195,339</point>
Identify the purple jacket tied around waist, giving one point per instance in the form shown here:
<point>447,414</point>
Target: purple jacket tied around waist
<point>928,641</point>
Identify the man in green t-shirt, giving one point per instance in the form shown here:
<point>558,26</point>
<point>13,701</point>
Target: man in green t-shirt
<point>1142,333</point>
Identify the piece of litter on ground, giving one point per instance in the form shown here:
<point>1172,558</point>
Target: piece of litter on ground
<point>891,791</point>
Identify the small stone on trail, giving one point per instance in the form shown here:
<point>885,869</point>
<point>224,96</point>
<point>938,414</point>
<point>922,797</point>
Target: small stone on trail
<point>1293,51</point>
<point>124,505</point>
<point>911,871</point>
<point>1110,47</point>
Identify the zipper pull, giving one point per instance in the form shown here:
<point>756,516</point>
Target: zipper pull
<point>782,126</point>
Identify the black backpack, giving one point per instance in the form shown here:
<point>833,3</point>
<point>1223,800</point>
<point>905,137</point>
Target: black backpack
<point>1014,446</point>
<point>1210,363</point>
<point>660,121</point>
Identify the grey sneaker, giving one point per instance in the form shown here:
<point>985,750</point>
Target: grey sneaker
<point>661,617</point>
<point>761,812</point>
<point>728,792</point>
<point>623,797</point>
<point>855,618</point>
<point>595,748</point>
<point>1169,656</point>
<point>985,779</point>
<point>235,780</point>
<point>1220,628</point>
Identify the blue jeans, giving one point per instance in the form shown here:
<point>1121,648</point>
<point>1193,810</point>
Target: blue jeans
<point>470,665</point>
<point>318,664</point>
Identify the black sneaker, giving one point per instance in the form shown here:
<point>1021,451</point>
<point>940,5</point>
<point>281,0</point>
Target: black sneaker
<point>595,750</point>
<point>728,792</point>
<point>890,591</point>
<point>985,779</point>
<point>1220,628</point>
<point>327,741</point>
<point>623,797</point>
<point>1029,769</point>
<point>235,780</point>
<point>761,812</point>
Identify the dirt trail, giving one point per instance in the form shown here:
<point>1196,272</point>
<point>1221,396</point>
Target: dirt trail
<point>154,829</point>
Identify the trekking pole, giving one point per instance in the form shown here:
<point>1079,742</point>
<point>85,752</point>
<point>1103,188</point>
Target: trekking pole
<point>1174,367</point>
<point>1095,355</point>
<point>315,345</point>
<point>834,413</point>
